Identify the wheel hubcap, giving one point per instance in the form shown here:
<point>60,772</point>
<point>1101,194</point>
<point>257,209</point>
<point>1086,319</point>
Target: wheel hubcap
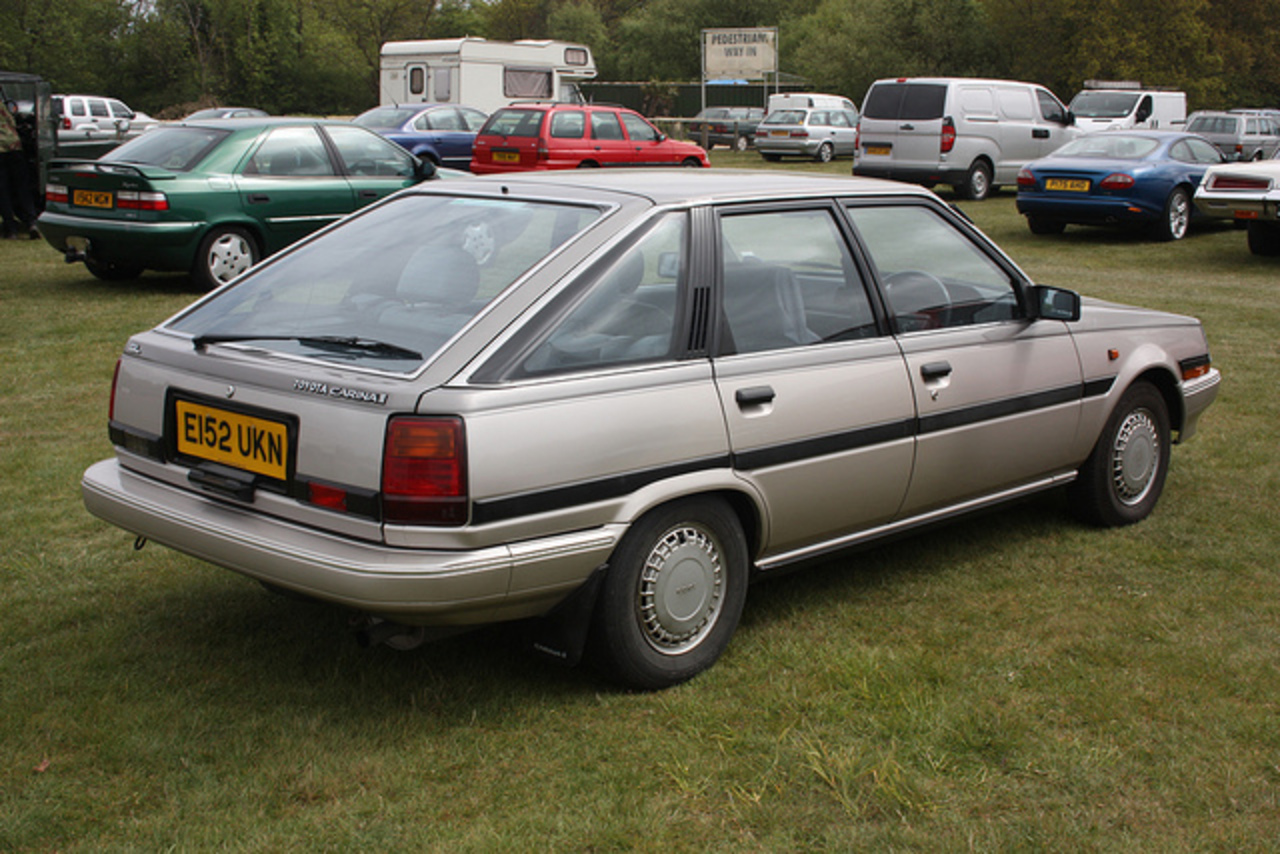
<point>1179,216</point>
<point>681,588</point>
<point>1135,457</point>
<point>229,256</point>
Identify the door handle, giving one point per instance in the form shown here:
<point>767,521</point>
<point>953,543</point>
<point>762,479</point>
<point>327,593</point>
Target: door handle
<point>258,198</point>
<point>754,396</point>
<point>1039,133</point>
<point>935,370</point>
<point>907,126</point>
<point>368,194</point>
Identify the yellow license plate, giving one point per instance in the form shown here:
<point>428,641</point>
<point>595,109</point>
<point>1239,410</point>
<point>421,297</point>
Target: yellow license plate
<point>879,150</point>
<point>506,156</point>
<point>779,133</point>
<point>232,438</point>
<point>91,199</point>
<point>1071,185</point>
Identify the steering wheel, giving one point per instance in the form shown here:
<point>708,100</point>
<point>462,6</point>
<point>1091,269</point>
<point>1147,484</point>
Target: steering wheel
<point>915,293</point>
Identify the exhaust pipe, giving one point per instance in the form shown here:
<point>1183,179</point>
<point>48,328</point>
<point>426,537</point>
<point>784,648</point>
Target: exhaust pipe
<point>377,632</point>
<point>73,256</point>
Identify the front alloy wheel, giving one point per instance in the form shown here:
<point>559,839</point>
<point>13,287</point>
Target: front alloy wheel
<point>673,594</point>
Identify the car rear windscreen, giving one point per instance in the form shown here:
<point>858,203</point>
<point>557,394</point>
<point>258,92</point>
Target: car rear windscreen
<point>514,123</point>
<point>177,148</point>
<point>905,101</point>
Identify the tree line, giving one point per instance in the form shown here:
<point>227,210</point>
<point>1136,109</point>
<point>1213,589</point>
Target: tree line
<point>321,56</point>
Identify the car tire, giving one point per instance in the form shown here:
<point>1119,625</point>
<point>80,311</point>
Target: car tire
<point>691,162</point>
<point>1122,479</point>
<point>110,272</point>
<point>1176,216</point>
<point>977,182</point>
<point>825,153</point>
<point>1043,225</point>
<point>588,164</point>
<point>741,143</point>
<point>1264,238</point>
<point>672,596</point>
<point>226,252</point>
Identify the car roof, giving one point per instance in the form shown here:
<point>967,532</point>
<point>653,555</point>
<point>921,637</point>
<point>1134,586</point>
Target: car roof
<point>679,185</point>
<point>258,122</point>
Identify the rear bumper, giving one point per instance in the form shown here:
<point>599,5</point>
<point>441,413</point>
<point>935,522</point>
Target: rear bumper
<point>153,245</point>
<point>1227,206</point>
<point>1099,210</point>
<point>428,587</point>
<point>928,175</point>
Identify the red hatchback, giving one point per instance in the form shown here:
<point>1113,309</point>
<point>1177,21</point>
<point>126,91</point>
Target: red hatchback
<point>569,136</point>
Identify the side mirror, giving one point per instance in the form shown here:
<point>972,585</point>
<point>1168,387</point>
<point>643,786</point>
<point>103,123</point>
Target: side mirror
<point>1055,303</point>
<point>424,169</point>
<point>1070,119</point>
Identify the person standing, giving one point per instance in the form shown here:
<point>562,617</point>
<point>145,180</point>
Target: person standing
<point>17,208</point>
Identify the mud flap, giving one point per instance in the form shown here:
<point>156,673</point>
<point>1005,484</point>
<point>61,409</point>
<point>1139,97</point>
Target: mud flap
<point>562,634</point>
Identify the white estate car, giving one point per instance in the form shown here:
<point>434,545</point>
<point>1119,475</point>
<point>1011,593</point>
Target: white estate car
<point>1248,193</point>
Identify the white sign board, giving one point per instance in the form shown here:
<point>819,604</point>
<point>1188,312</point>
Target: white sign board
<point>747,54</point>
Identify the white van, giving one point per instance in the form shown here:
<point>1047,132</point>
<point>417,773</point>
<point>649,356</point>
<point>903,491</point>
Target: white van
<point>970,133</point>
<point>809,101</point>
<point>1112,105</point>
<point>481,73</point>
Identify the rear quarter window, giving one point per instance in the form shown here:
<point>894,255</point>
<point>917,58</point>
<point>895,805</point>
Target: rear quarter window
<point>515,123</point>
<point>914,101</point>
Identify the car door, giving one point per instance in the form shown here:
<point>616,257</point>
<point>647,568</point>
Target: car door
<point>649,147</point>
<point>843,131</point>
<point>997,397</point>
<point>814,391</point>
<point>449,134</point>
<point>608,145</point>
<point>373,165</point>
<point>291,186</point>
<point>1053,130</point>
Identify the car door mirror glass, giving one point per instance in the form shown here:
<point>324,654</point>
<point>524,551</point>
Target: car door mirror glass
<point>1056,303</point>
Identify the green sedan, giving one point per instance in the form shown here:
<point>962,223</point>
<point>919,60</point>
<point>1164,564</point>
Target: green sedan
<point>215,197</point>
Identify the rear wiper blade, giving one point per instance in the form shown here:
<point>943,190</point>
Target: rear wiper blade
<point>320,342</point>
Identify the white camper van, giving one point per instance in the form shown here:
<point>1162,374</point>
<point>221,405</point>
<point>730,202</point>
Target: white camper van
<point>1114,105</point>
<point>809,100</point>
<point>481,73</point>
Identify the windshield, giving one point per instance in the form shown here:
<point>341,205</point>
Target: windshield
<point>385,117</point>
<point>1110,145</point>
<point>1103,105</point>
<point>388,288</point>
<point>176,148</point>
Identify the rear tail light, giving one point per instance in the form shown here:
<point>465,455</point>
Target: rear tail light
<point>1026,178</point>
<point>1116,181</point>
<point>56,193</point>
<point>799,134</point>
<point>66,123</point>
<point>948,135</point>
<point>544,153</point>
<point>1232,182</point>
<point>424,471</point>
<point>137,201</point>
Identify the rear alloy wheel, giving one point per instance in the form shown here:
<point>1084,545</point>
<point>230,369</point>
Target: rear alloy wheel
<point>741,143</point>
<point>1122,479</point>
<point>977,183</point>
<point>825,153</point>
<point>672,596</point>
<point>225,252</point>
<point>1041,225</point>
<point>109,272</point>
<point>1173,222</point>
<point>1264,238</point>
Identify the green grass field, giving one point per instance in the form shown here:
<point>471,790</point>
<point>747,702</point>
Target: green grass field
<point>1011,682</point>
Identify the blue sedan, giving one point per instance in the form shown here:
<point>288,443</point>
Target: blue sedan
<point>441,133</point>
<point>1126,178</point>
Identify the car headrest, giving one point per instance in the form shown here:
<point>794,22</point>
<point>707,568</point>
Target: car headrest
<point>445,275</point>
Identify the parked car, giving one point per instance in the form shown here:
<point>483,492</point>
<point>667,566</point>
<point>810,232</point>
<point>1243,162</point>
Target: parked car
<point>731,126</point>
<point>820,134</point>
<point>441,133</point>
<point>659,385</point>
<point>226,113</point>
<point>970,133</point>
<point>1248,193</point>
<point>1237,136</point>
<point>216,197</point>
<point>570,136</point>
<point>1125,178</point>
<point>92,117</point>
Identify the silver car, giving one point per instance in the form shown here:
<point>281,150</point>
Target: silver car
<point>1238,136</point>
<point>1248,193</point>
<point>821,134</point>
<point>608,400</point>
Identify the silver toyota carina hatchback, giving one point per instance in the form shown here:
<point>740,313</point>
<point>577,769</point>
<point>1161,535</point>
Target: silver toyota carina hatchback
<point>607,400</point>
